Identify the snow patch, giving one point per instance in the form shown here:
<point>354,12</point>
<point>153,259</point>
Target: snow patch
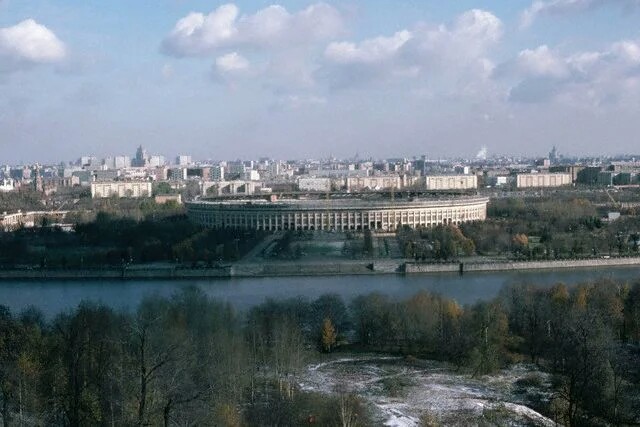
<point>428,387</point>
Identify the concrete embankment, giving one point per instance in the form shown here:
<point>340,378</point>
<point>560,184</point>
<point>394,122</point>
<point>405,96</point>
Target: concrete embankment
<point>280,269</point>
<point>115,273</point>
<point>411,267</point>
<point>277,269</point>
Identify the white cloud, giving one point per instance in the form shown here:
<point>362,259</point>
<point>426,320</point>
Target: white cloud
<point>197,33</point>
<point>231,63</point>
<point>541,62</point>
<point>29,43</point>
<point>463,47</point>
<point>585,79</point>
<point>556,7</point>
<point>369,51</point>
<point>271,27</point>
<point>438,52</point>
<point>478,28</point>
<point>627,50</point>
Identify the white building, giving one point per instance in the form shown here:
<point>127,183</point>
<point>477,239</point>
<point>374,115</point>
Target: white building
<point>451,182</point>
<point>7,184</point>
<point>344,214</point>
<point>135,173</point>
<point>128,189</point>
<point>155,161</point>
<point>121,162</point>
<point>251,175</point>
<point>274,169</point>
<point>535,180</point>
<point>88,161</point>
<point>183,160</point>
<point>117,162</point>
<point>314,184</point>
<point>222,188</point>
<point>374,182</point>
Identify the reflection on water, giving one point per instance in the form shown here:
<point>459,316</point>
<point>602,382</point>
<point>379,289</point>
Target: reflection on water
<point>53,297</point>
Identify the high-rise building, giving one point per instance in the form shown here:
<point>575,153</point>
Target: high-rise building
<point>216,173</point>
<point>183,160</point>
<point>121,162</point>
<point>141,157</point>
<point>155,161</point>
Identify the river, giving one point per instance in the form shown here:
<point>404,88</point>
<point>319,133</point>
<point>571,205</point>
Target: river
<point>53,297</point>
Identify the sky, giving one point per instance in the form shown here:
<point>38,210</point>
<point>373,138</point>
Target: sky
<point>298,79</point>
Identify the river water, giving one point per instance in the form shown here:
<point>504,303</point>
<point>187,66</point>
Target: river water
<point>53,297</point>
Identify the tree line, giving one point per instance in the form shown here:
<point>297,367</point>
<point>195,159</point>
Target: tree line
<point>560,227</point>
<point>528,228</point>
<point>184,360</point>
<point>114,240</point>
<point>532,228</point>
<point>193,360</point>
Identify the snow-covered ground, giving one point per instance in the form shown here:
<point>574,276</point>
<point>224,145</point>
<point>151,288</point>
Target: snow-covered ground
<point>401,391</point>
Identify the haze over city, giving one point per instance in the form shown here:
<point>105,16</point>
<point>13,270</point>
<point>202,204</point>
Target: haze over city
<point>305,79</point>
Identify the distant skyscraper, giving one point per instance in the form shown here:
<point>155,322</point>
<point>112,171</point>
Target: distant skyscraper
<point>553,155</point>
<point>37,182</point>
<point>141,157</point>
<point>418,165</point>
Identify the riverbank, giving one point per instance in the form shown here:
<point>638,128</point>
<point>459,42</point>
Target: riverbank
<point>293,268</point>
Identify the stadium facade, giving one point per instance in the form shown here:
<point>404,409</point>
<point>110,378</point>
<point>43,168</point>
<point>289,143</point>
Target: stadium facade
<point>336,214</point>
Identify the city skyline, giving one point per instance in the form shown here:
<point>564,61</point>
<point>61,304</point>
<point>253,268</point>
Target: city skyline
<point>177,158</point>
<point>303,79</point>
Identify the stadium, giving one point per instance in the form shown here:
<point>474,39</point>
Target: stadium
<point>336,214</point>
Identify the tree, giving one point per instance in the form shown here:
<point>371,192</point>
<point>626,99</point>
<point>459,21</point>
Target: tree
<point>9,354</point>
<point>349,406</point>
<point>369,313</point>
<point>486,324</point>
<point>328,306</point>
<point>368,242</point>
<point>83,355</point>
<point>149,351</point>
<point>520,244</point>
<point>163,188</point>
<point>328,335</point>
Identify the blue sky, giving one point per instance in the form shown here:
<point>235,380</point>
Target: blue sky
<point>297,79</point>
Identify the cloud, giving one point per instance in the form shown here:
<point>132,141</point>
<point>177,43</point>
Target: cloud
<point>231,63</point>
<point>477,28</point>
<point>540,62</point>
<point>585,79</point>
<point>369,51</point>
<point>557,7</point>
<point>197,34</point>
<point>535,90</point>
<point>273,27</point>
<point>425,51</point>
<point>229,67</point>
<point>27,44</point>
